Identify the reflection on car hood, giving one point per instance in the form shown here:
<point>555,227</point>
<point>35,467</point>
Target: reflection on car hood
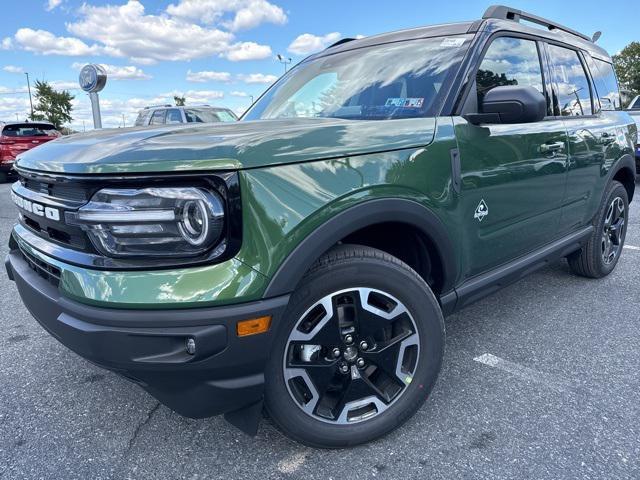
<point>224,146</point>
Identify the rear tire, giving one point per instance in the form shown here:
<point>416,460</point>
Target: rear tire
<point>600,255</point>
<point>367,390</point>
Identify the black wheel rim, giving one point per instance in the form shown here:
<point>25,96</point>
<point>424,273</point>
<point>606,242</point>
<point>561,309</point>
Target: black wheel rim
<point>613,231</point>
<point>351,355</point>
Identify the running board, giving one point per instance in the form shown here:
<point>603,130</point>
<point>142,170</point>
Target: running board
<point>487,283</point>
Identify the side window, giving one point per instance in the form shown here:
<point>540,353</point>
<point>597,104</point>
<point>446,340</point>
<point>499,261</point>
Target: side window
<point>606,84</point>
<point>572,92</point>
<point>509,61</point>
<point>158,117</point>
<point>174,116</point>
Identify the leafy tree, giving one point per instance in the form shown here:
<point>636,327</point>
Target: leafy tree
<point>180,101</point>
<point>53,106</point>
<point>627,64</point>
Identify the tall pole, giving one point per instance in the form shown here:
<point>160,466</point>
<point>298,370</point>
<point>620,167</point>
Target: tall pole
<point>284,61</point>
<point>29,88</point>
<point>123,124</point>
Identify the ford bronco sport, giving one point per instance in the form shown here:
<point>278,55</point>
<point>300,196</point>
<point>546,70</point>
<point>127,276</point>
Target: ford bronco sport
<point>303,258</point>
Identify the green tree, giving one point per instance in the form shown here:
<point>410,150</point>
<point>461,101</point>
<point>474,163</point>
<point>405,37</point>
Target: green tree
<point>627,64</point>
<point>53,106</point>
<point>180,101</point>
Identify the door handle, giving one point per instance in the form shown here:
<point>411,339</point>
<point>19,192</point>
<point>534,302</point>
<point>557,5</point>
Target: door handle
<point>606,138</point>
<point>551,147</point>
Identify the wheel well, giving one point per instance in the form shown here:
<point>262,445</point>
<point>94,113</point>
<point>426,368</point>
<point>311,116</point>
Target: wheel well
<point>628,179</point>
<point>406,242</point>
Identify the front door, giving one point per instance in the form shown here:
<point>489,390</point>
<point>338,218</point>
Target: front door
<point>512,176</point>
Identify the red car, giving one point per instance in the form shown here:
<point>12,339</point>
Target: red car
<point>16,138</point>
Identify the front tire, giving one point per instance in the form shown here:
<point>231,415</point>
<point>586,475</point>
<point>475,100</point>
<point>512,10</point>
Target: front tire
<point>358,352</point>
<point>600,255</point>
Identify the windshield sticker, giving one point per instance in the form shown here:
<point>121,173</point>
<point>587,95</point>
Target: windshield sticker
<point>404,102</point>
<point>452,42</point>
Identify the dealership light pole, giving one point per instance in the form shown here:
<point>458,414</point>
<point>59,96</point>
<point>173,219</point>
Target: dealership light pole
<point>29,88</point>
<point>285,61</point>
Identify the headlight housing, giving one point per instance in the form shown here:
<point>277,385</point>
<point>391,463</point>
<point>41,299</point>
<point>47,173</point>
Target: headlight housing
<point>152,222</point>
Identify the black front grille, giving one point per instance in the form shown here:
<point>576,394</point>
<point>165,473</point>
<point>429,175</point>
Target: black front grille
<point>48,272</point>
<point>56,190</point>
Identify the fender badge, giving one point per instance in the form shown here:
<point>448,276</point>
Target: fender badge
<point>481,211</point>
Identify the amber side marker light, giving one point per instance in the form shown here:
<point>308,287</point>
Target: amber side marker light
<point>253,326</point>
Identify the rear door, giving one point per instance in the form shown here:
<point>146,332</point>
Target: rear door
<point>20,137</point>
<point>591,128</point>
<point>512,176</point>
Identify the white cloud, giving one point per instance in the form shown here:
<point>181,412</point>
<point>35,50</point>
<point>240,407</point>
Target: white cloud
<point>46,43</point>
<point>247,51</point>
<point>119,72</point>
<point>258,78</point>
<point>64,85</point>
<point>237,93</point>
<point>127,31</point>
<point>307,43</point>
<point>208,76</point>
<point>53,4</point>
<point>246,13</point>
<point>13,69</point>
<point>7,43</point>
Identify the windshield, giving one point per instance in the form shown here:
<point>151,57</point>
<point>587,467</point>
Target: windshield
<point>395,80</point>
<point>208,115</point>
<point>29,130</point>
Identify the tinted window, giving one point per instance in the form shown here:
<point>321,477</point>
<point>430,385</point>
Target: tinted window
<point>143,118</point>
<point>606,84</point>
<point>571,91</point>
<point>29,130</point>
<point>174,116</point>
<point>635,105</point>
<point>158,117</point>
<point>509,61</point>
<point>208,115</point>
<point>395,80</point>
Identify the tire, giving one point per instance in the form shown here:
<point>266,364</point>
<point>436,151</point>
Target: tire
<point>362,284</point>
<point>600,255</point>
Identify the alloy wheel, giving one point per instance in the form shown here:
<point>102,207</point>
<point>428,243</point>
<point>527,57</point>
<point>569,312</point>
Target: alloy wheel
<point>613,231</point>
<point>351,355</point>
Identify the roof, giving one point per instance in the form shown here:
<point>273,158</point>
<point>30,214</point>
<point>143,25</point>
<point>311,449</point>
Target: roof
<point>496,18</point>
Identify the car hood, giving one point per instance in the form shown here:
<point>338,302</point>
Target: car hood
<point>224,146</point>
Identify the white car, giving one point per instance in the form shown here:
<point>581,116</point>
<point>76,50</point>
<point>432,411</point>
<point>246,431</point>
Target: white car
<point>165,114</point>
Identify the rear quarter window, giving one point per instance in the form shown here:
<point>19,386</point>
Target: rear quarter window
<point>606,84</point>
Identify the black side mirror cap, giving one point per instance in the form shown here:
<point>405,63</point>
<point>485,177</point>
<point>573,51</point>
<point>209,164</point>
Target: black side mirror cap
<point>510,104</point>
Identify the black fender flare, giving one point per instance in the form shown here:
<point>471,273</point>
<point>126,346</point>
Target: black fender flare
<point>627,161</point>
<point>365,214</point>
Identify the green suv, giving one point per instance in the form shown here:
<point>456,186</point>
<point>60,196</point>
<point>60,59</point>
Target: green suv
<point>302,259</point>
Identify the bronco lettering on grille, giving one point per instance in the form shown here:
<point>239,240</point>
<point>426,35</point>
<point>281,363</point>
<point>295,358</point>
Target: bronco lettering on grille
<point>36,208</point>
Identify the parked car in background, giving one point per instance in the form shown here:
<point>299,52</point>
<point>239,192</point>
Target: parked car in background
<point>19,137</point>
<point>634,111</point>
<point>163,114</point>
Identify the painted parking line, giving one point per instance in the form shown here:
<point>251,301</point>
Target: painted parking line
<point>631,247</point>
<point>524,373</point>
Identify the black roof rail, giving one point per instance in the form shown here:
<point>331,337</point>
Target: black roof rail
<point>507,13</point>
<point>340,42</point>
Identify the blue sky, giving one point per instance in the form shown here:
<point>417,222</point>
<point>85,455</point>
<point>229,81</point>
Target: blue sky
<point>222,51</point>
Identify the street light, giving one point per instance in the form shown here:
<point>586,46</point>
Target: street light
<point>284,60</point>
<point>29,88</point>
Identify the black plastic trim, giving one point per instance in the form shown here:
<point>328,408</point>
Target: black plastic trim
<point>224,374</point>
<point>349,221</point>
<point>487,283</point>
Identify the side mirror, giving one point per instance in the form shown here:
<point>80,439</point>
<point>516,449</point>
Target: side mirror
<point>510,104</point>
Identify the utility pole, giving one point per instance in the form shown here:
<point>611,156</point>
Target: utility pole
<point>17,120</point>
<point>29,88</point>
<point>284,60</point>
<point>83,127</point>
<point>123,123</point>
<point>251,97</point>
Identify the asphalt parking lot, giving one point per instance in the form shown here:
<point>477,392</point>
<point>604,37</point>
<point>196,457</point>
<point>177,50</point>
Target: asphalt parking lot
<point>541,380</point>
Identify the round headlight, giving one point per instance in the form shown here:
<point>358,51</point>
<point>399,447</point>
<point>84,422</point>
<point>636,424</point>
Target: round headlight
<point>200,220</point>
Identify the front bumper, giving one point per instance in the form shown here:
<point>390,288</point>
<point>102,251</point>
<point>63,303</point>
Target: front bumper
<point>149,346</point>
